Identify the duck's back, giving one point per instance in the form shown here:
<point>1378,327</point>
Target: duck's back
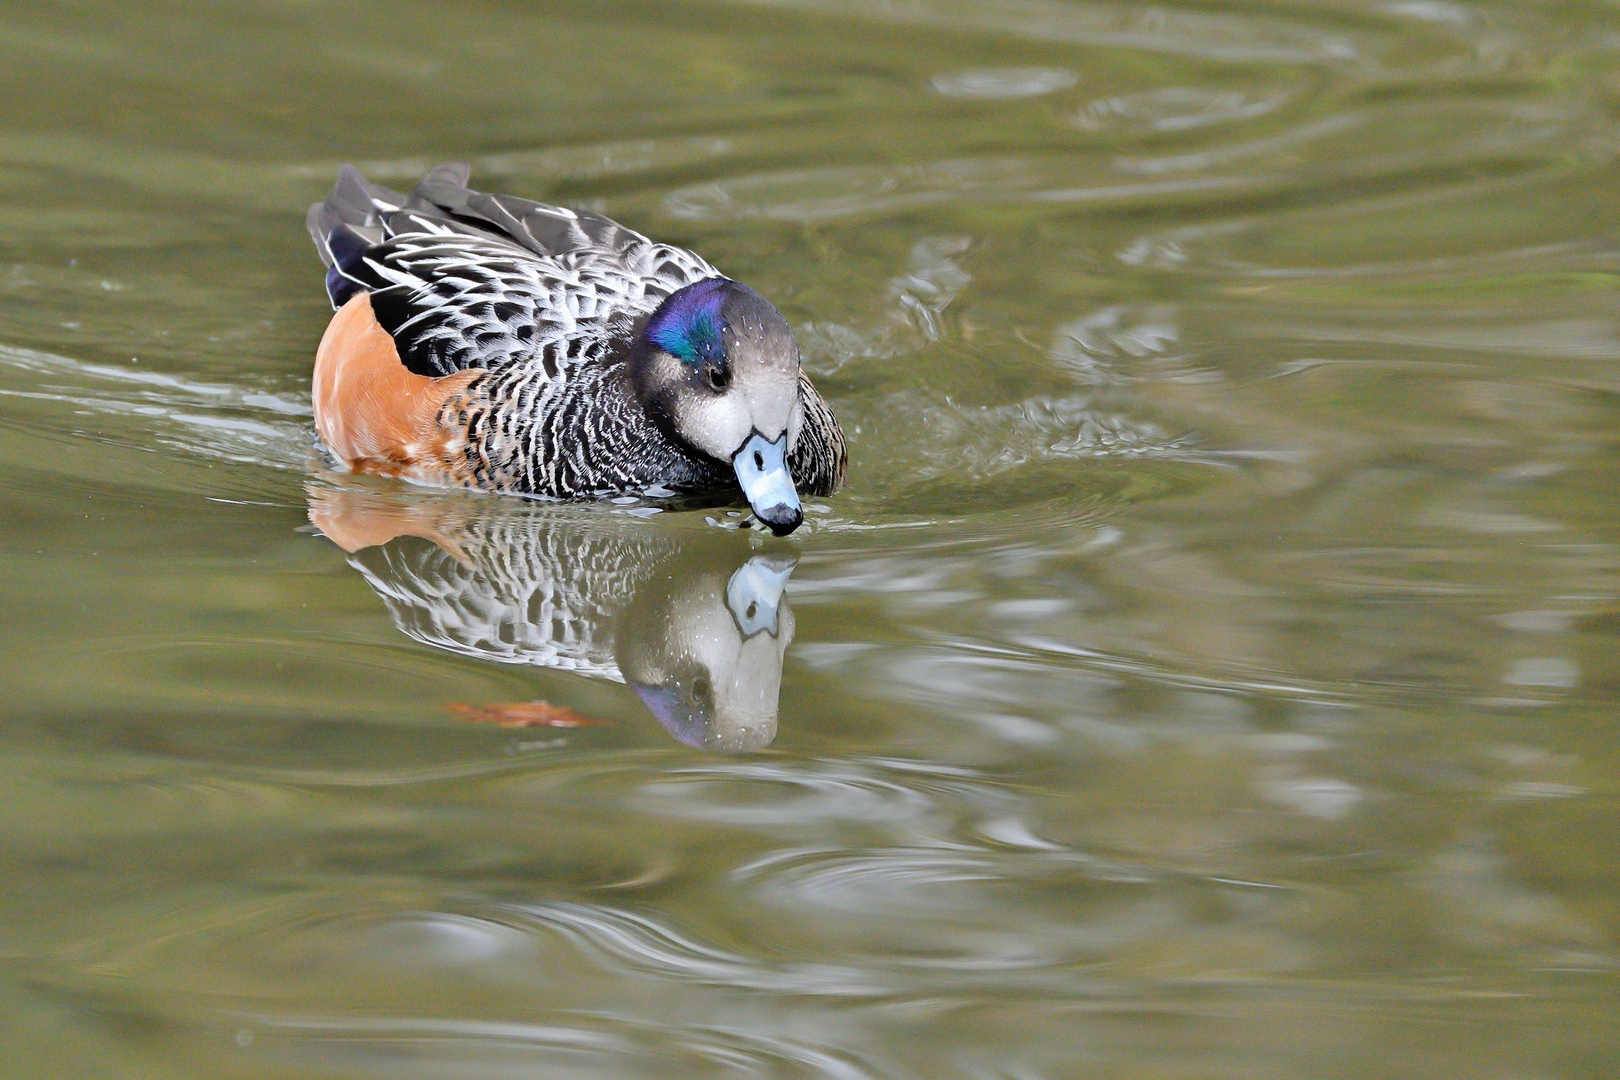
<point>462,279</point>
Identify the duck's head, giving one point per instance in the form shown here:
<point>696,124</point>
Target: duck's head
<point>718,370</point>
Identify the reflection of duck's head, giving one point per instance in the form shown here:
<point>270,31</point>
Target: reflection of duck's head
<point>704,652</point>
<point>693,619</point>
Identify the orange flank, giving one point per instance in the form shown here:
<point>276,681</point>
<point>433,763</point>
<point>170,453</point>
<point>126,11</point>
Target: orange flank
<point>522,714</point>
<point>380,417</point>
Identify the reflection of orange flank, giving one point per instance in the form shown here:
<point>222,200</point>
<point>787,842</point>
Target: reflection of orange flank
<point>361,519</point>
<point>379,417</point>
<point>522,714</point>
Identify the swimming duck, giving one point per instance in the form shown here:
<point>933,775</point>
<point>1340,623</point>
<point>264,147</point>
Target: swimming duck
<point>486,341</point>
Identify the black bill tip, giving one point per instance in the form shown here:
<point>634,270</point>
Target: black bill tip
<point>782,518</point>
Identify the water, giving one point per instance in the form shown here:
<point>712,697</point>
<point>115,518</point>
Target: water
<point>1208,671</point>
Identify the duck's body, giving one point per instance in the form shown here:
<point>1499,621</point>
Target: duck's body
<point>490,342</point>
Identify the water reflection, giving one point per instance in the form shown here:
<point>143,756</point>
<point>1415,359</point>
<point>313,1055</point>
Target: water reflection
<point>695,621</point>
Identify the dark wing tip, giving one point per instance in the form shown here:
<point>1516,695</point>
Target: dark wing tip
<point>344,254</point>
<point>344,224</point>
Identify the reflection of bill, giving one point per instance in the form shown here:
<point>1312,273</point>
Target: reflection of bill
<point>694,620</point>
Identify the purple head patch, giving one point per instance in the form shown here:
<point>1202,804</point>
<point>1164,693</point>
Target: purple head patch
<point>688,323</point>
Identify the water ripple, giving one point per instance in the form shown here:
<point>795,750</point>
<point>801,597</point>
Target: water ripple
<point>892,881</point>
<point>573,1045</point>
<point>997,83</point>
<point>962,443</point>
<point>241,422</point>
<point>783,794</point>
<point>1176,108</point>
<point>639,944</point>
<point>814,195</point>
<point>581,162</point>
<point>1230,38</point>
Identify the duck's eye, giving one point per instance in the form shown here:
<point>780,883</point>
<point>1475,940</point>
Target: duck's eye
<point>700,689</point>
<point>719,377</point>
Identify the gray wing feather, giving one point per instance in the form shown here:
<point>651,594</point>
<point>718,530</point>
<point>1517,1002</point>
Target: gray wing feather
<point>463,279</point>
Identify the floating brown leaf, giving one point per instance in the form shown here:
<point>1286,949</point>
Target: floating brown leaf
<point>521,714</point>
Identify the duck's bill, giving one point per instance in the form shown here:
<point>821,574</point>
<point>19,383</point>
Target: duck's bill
<point>763,473</point>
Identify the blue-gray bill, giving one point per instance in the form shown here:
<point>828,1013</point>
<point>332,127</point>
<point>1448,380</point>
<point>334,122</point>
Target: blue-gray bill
<point>763,473</point>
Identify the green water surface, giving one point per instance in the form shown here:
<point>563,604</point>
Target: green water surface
<point>1208,671</point>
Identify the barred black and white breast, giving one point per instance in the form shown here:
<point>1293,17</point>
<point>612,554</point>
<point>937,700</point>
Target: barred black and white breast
<point>492,342</point>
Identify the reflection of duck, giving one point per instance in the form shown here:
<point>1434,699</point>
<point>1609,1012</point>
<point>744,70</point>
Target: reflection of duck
<point>491,342</point>
<point>693,621</point>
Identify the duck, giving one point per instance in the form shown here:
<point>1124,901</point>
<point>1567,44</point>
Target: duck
<point>692,620</point>
<point>494,343</point>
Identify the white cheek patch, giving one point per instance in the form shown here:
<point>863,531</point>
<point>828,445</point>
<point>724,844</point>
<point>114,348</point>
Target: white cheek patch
<point>763,397</point>
<point>771,394</point>
<point>716,425</point>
